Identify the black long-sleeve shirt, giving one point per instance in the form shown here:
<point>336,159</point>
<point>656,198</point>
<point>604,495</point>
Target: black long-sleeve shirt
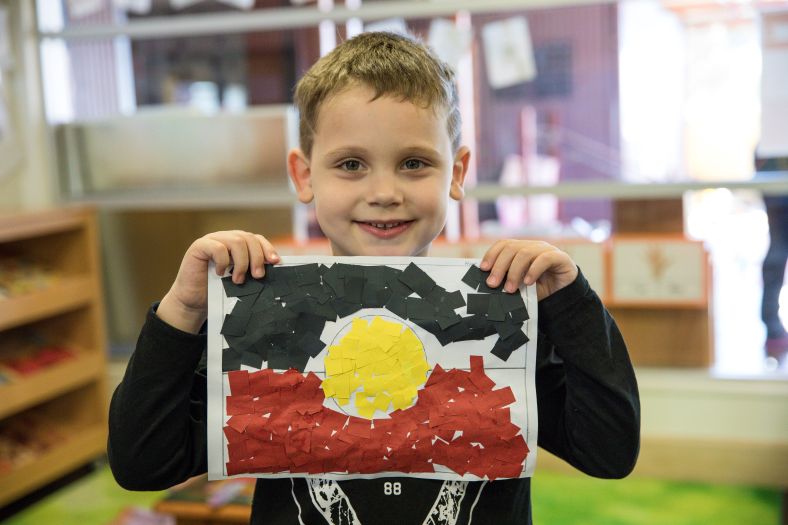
<point>589,415</point>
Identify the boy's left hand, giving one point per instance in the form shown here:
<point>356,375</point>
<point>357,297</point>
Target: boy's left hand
<point>528,262</point>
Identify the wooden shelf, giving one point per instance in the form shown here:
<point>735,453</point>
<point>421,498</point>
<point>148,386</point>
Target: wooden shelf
<point>20,226</point>
<point>70,397</point>
<point>46,384</point>
<point>67,294</point>
<point>82,446</point>
<point>656,305</point>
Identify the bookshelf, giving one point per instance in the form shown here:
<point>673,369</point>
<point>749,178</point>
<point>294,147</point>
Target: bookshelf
<point>67,398</point>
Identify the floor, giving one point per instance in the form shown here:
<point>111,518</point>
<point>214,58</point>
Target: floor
<point>93,500</point>
<point>558,499</point>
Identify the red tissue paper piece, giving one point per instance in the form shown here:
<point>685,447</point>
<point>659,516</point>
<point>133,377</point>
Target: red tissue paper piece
<point>278,424</point>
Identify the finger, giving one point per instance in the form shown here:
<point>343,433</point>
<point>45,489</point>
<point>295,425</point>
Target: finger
<point>218,252</point>
<point>501,266</point>
<point>269,250</point>
<point>489,257</point>
<point>517,270</point>
<point>540,265</point>
<point>256,254</point>
<point>268,255</point>
<point>239,253</point>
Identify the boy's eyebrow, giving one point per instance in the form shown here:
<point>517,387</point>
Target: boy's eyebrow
<point>358,151</point>
<point>346,151</point>
<point>420,150</point>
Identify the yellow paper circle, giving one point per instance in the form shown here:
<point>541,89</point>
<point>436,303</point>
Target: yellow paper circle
<point>381,361</point>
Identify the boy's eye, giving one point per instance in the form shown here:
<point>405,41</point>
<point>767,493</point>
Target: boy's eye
<point>413,164</point>
<point>350,165</point>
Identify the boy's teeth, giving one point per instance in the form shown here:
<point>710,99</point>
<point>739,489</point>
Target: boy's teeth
<point>385,226</point>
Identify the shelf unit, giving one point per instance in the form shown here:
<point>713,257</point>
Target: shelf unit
<point>70,397</point>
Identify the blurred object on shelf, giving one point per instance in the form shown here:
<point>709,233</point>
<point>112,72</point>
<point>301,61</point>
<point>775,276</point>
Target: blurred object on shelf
<point>26,351</point>
<point>210,502</point>
<point>141,516</point>
<point>20,276</point>
<point>237,491</point>
<point>39,359</point>
<point>23,438</point>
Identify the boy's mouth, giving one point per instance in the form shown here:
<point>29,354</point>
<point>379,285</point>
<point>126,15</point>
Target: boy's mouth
<point>384,229</point>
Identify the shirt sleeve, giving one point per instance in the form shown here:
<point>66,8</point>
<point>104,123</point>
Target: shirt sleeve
<point>587,395</point>
<point>157,427</point>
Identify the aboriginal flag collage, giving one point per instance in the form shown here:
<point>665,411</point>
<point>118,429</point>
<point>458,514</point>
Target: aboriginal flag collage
<point>353,367</point>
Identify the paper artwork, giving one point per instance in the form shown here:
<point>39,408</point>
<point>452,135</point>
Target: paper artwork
<point>661,271</point>
<point>346,367</point>
<point>508,52</point>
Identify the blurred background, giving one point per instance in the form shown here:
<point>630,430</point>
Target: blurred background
<point>647,138</point>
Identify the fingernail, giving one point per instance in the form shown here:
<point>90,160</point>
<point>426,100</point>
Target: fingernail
<point>492,279</point>
<point>509,288</point>
<point>484,265</point>
<point>258,272</point>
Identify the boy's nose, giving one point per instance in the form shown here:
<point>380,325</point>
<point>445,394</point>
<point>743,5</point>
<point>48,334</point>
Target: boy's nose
<point>384,191</point>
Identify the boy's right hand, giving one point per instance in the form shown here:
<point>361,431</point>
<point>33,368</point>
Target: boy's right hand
<point>186,304</point>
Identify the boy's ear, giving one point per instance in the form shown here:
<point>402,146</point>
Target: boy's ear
<point>459,170</point>
<point>301,174</point>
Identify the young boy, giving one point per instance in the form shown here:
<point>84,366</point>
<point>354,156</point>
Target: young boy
<point>380,157</point>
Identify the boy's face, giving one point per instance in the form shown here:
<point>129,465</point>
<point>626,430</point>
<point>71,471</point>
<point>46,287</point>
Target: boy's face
<point>381,173</point>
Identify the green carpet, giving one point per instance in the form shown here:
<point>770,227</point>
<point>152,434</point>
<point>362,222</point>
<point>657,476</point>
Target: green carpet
<point>93,500</point>
<point>562,499</point>
<point>558,499</point>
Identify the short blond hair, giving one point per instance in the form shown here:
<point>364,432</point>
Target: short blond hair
<point>388,63</point>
